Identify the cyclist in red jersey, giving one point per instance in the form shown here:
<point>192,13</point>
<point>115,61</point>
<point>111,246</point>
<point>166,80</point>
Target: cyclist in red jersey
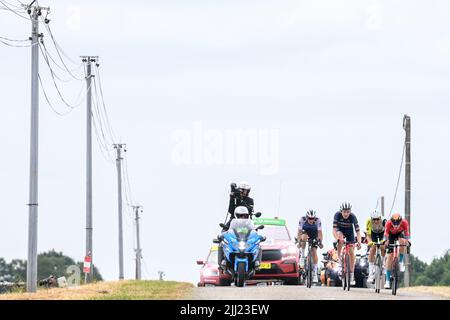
<point>396,228</point>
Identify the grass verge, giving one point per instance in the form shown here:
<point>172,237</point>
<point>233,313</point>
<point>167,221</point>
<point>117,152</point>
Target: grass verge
<point>122,290</point>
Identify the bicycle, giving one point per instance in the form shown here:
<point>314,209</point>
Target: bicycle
<point>312,243</point>
<point>346,270</point>
<point>378,265</point>
<point>395,266</point>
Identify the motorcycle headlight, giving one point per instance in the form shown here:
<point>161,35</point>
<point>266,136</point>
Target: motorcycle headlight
<point>241,245</point>
<point>362,263</point>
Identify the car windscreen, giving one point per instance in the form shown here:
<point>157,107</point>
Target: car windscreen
<point>275,232</point>
<point>213,257</point>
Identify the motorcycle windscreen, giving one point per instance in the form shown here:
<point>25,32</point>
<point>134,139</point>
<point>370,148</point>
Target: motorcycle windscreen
<point>241,228</point>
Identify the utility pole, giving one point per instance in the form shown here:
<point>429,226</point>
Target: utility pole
<point>118,147</point>
<point>88,60</point>
<point>34,12</point>
<point>138,242</point>
<point>382,206</point>
<point>407,127</point>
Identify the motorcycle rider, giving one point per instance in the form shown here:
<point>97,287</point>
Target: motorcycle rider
<point>239,196</point>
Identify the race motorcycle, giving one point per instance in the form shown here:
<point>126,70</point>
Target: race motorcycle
<point>241,248</point>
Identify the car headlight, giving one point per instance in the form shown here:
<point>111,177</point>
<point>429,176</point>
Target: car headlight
<point>289,250</point>
<point>241,245</point>
<point>210,273</point>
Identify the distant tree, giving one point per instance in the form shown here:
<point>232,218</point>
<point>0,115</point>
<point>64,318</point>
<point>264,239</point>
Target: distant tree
<point>49,263</point>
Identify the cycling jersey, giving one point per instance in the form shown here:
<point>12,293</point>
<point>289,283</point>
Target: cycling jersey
<point>373,228</point>
<point>346,225</point>
<point>311,229</point>
<point>403,229</point>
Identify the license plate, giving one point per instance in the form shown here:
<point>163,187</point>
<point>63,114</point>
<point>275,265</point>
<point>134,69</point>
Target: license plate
<point>266,266</point>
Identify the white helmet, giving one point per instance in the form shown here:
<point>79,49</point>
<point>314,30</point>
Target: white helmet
<point>375,215</point>
<point>243,185</point>
<point>241,212</point>
<point>311,214</point>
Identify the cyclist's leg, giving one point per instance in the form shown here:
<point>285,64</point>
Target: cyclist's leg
<point>350,238</point>
<point>402,250</point>
<point>315,263</point>
<point>304,239</point>
<point>340,245</point>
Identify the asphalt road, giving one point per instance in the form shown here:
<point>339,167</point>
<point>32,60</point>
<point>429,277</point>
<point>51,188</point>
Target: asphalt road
<point>279,292</point>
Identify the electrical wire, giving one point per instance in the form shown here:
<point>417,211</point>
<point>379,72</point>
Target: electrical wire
<point>14,40</point>
<point>398,180</point>
<point>111,131</point>
<point>59,51</point>
<point>48,101</point>
<point>15,11</point>
<point>55,84</point>
<point>57,64</point>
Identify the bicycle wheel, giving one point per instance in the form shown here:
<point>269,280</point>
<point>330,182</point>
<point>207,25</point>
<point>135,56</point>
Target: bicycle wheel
<point>348,271</point>
<point>394,282</point>
<point>377,274</point>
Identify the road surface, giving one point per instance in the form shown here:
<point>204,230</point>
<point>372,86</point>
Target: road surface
<point>279,292</point>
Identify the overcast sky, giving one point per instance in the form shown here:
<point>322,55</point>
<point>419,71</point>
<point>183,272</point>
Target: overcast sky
<point>320,86</point>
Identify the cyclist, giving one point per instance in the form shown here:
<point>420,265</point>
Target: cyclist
<point>396,228</point>
<point>375,232</point>
<point>344,222</point>
<point>310,227</point>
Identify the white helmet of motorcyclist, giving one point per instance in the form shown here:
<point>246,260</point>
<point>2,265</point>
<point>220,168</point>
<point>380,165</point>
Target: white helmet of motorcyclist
<point>244,186</point>
<point>241,212</point>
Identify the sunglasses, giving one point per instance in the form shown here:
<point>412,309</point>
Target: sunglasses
<point>377,219</point>
<point>309,218</point>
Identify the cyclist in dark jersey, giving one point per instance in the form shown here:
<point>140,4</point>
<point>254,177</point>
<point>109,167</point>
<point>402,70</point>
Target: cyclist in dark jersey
<point>310,227</point>
<point>343,224</point>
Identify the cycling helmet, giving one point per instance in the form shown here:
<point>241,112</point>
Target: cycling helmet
<point>396,219</point>
<point>311,214</point>
<point>346,206</point>
<point>241,212</point>
<point>375,215</point>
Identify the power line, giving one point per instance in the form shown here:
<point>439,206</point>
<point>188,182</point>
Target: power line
<point>48,101</point>
<point>14,40</point>
<point>15,11</point>
<point>59,51</point>
<point>53,76</point>
<point>111,131</point>
<point>398,180</point>
<point>57,64</point>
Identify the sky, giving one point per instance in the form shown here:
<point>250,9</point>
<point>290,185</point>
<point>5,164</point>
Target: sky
<point>302,99</point>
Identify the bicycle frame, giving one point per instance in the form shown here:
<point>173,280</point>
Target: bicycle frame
<point>346,265</point>
<point>378,265</point>
<point>395,265</point>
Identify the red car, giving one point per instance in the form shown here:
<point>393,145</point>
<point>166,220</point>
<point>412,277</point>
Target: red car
<point>280,255</point>
<point>210,275</point>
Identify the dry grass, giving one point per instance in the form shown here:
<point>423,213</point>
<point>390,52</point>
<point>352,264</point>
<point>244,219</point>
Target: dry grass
<point>441,291</point>
<point>123,290</point>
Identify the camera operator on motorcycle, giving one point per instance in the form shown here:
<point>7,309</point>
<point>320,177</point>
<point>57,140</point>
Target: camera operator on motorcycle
<point>239,196</point>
